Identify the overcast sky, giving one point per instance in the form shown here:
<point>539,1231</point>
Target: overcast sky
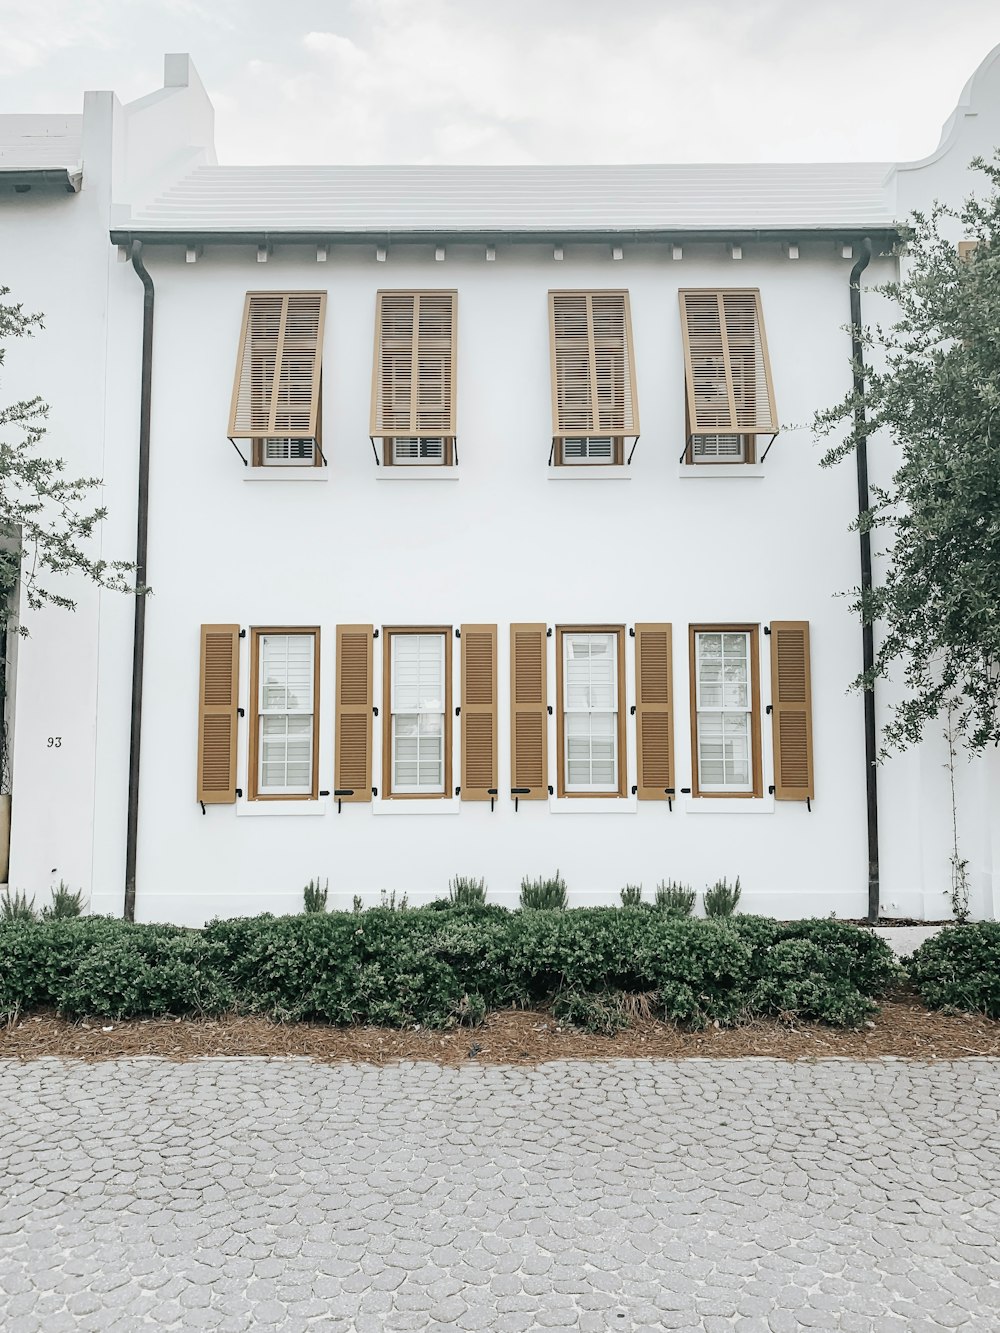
<point>521,80</point>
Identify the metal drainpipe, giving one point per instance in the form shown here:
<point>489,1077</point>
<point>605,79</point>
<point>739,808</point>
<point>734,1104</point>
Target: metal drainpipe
<point>139,633</point>
<point>867,632</point>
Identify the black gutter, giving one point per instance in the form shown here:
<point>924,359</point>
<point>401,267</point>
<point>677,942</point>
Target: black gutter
<point>139,632</point>
<point>867,630</point>
<point>28,178</point>
<point>886,236</point>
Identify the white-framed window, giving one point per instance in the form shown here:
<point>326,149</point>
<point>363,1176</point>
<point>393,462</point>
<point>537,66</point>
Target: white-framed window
<point>286,706</point>
<point>723,674</point>
<point>590,710</point>
<point>417,705</point>
<point>719,448</point>
<point>418,449</point>
<point>589,449</point>
<point>286,451</point>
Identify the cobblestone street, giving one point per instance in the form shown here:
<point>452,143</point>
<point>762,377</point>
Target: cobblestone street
<point>703,1195</point>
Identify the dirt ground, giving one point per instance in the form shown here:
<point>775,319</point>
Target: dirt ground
<point>903,1028</point>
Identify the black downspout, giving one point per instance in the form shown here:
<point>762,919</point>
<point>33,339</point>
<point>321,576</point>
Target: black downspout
<point>139,633</point>
<point>867,632</point>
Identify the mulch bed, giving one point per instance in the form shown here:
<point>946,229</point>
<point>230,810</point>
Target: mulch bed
<point>904,1028</point>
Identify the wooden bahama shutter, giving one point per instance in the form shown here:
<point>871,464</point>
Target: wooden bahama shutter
<point>654,711</point>
<point>352,764</point>
<point>413,382</point>
<point>479,712</point>
<point>528,712</point>
<point>791,710</point>
<point>218,699</point>
<point>279,367</point>
<point>593,371</point>
<point>726,366</point>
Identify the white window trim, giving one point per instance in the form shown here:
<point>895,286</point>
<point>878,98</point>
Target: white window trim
<point>418,789</point>
<point>448,805</point>
<point>726,788</point>
<point>287,462</point>
<point>423,472</point>
<point>279,809</point>
<point>598,805</point>
<point>283,472</point>
<point>393,440</point>
<point>586,460</point>
<point>580,788</point>
<point>262,713</point>
<point>721,471</point>
<point>591,472</point>
<point>752,805</point>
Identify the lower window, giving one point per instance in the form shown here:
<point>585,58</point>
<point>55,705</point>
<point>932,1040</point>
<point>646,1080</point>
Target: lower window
<point>590,671</point>
<point>417,728</point>
<point>284,686</point>
<point>725,716</point>
<point>592,449</point>
<point>721,449</point>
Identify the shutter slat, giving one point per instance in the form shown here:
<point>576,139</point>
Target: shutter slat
<point>218,698</point>
<point>726,365</point>
<point>479,711</point>
<point>353,713</point>
<point>654,711</point>
<point>593,373</point>
<point>414,374</point>
<point>528,711</point>
<point>279,366</point>
<point>791,710</point>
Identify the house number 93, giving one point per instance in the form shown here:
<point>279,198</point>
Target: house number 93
<point>54,743</point>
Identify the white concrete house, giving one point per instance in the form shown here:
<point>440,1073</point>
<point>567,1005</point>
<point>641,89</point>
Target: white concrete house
<point>484,527</point>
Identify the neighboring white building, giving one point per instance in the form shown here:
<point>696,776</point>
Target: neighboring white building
<point>389,404</point>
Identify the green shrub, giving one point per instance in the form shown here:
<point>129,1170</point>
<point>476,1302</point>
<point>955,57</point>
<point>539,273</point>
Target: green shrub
<point>721,898</point>
<point>314,897</point>
<point>17,908</point>
<point>65,904</point>
<point>959,969</point>
<point>543,894</point>
<point>466,892</point>
<point>674,898</point>
<point>631,895</point>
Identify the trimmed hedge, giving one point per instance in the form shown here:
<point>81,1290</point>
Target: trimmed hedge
<point>959,969</point>
<point>442,965</point>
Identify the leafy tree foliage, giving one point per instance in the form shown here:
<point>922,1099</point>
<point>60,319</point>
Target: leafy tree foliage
<point>932,388</point>
<point>47,517</point>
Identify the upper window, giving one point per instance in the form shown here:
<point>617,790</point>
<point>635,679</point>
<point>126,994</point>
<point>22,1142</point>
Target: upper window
<point>594,407</point>
<point>725,710</point>
<point>417,740</point>
<point>413,383</point>
<point>284,669</point>
<point>590,675</point>
<point>276,403</point>
<point>729,392</point>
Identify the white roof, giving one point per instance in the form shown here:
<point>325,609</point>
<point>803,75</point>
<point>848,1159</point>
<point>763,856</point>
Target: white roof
<point>41,143</point>
<point>549,199</point>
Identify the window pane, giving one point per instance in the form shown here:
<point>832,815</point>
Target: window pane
<point>737,749</point>
<point>590,670</point>
<point>286,670</point>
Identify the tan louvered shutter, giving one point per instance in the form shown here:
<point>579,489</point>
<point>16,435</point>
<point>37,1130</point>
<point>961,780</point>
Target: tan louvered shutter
<point>278,369</point>
<point>654,711</point>
<point>218,699</point>
<point>593,375</point>
<point>528,712</point>
<point>352,765</point>
<point>791,710</point>
<point>726,366</point>
<point>479,712</point>
<point>413,385</point>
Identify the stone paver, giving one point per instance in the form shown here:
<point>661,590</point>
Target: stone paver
<point>750,1195</point>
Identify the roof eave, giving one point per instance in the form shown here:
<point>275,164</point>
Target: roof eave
<point>23,179</point>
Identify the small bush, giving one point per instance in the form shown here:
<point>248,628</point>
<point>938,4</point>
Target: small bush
<point>17,908</point>
<point>631,895</point>
<point>466,892</point>
<point>959,969</point>
<point>387,902</point>
<point>65,904</point>
<point>721,898</point>
<point>543,894</point>
<point>675,899</point>
<point>314,897</point>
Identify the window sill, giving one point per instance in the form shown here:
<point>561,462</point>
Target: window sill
<point>399,805</point>
<point>414,472</point>
<point>278,809</point>
<point>589,472</point>
<point>593,805</point>
<point>286,474</point>
<point>733,471</point>
<point>728,805</point>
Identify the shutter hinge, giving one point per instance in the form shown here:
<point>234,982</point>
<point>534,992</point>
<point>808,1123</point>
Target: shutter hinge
<point>339,792</point>
<point>552,791</point>
<point>374,791</point>
<point>491,792</point>
<point>374,633</point>
<point>517,793</point>
<point>242,712</point>
<point>550,710</point>
<point>239,792</point>
<point>685,791</point>
<point>632,710</point>
<point>767,629</point>
<point>634,790</point>
<point>767,710</point>
<point>548,633</point>
<point>203,810</point>
<point>770,790</point>
<point>375,709</point>
<point>324,793</point>
<point>243,633</point>
<point>669,794</point>
<point>458,710</point>
<point>631,632</point>
<point>458,634</point>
